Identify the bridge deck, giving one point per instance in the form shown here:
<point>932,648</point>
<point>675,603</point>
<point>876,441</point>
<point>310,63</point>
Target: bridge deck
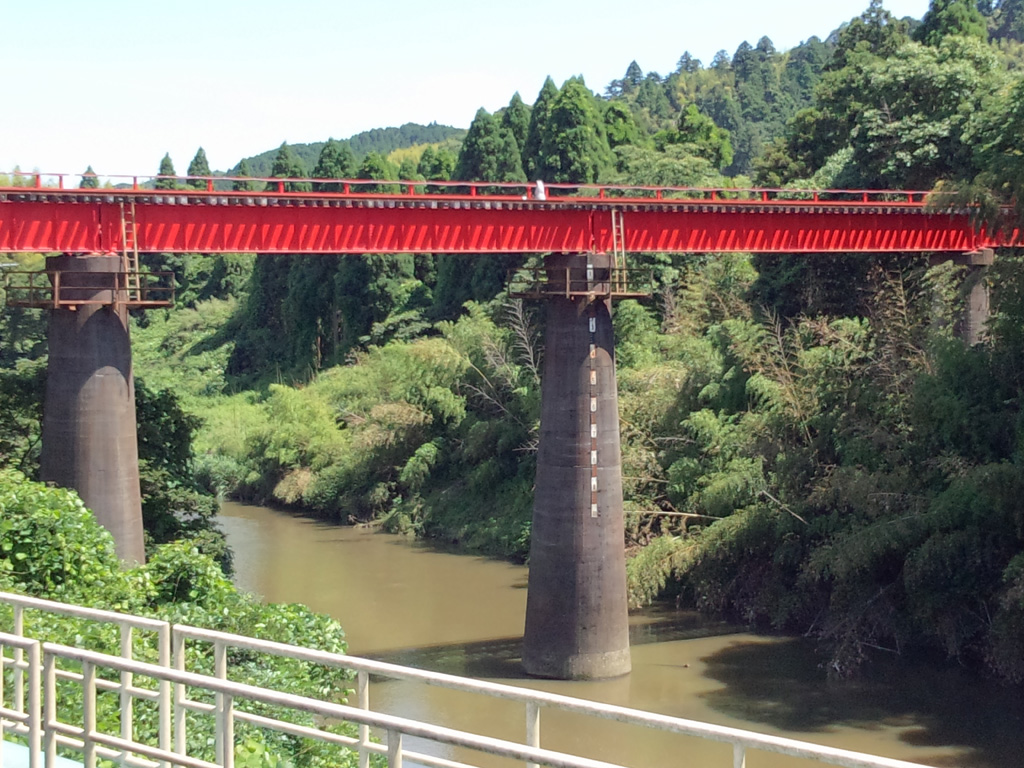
<point>478,219</point>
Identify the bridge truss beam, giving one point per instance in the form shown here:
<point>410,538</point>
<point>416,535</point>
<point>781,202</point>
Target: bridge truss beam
<point>302,223</point>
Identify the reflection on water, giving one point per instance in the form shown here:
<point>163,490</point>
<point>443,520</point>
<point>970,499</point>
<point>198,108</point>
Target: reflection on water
<point>407,603</point>
<point>930,707</point>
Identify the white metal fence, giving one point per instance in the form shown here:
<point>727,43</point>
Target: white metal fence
<point>29,711</point>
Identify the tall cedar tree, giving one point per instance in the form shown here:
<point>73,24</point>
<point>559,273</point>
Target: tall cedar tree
<point>574,148</point>
<point>951,17</point>
<point>634,77</point>
<point>166,171</point>
<point>287,165</point>
<point>619,125</point>
<point>376,166</point>
<point>651,97</point>
<point>538,120</point>
<point>489,152</point>
<point>709,141</point>
<point>407,169</point>
<point>436,164</point>
<point>516,119</point>
<point>1007,20</point>
<point>244,172</point>
<point>264,340</point>
<point>882,32</point>
<point>89,179</point>
<point>335,162</point>
<point>199,167</point>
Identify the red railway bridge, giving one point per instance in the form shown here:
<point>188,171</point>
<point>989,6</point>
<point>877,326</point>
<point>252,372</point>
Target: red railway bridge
<point>356,216</point>
<point>576,622</point>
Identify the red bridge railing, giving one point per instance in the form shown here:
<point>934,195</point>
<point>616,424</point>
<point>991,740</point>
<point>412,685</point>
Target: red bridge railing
<point>21,181</point>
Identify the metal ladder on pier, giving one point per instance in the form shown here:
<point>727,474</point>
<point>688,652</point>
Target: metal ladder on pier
<point>618,272</point>
<point>130,251</point>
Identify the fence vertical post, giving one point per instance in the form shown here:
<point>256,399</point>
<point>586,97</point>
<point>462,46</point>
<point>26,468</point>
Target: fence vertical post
<point>532,728</point>
<point>89,712</point>
<point>363,694</point>
<point>226,732</point>
<point>19,658</point>
<point>164,700</point>
<point>220,666</point>
<point>50,708</point>
<point>179,694</point>
<point>739,756</point>
<point>394,749</point>
<point>127,727</point>
<point>3,701</point>
<point>34,709</point>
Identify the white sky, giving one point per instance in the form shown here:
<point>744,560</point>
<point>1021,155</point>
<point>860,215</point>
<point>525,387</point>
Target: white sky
<point>117,83</point>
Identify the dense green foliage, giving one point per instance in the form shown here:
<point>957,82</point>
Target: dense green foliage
<point>52,547</point>
<point>848,477</point>
<point>385,436</point>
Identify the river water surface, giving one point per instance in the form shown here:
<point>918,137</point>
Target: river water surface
<point>408,603</point>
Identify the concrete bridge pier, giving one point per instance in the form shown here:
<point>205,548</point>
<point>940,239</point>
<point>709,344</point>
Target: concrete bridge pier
<point>973,291</point>
<point>577,611</point>
<point>976,311</point>
<point>89,440</point>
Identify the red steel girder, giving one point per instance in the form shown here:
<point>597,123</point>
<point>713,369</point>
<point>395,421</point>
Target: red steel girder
<point>264,224</point>
<point>360,230</point>
<point>796,231</point>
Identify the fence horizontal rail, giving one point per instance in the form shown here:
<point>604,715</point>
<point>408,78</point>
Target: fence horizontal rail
<point>81,612</point>
<point>791,747</point>
<point>389,723</point>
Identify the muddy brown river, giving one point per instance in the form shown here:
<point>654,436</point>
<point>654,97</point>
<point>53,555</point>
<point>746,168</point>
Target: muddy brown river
<point>409,603</point>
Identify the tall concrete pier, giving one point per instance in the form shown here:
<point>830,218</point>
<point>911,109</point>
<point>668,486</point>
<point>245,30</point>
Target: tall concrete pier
<point>976,311</point>
<point>89,440</point>
<point>577,611</point>
<point>973,292</point>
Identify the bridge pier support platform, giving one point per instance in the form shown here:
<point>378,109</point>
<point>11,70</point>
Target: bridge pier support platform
<point>577,610</point>
<point>89,440</point>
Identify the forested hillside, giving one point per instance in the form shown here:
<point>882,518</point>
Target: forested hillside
<point>807,444</point>
<point>383,141</point>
